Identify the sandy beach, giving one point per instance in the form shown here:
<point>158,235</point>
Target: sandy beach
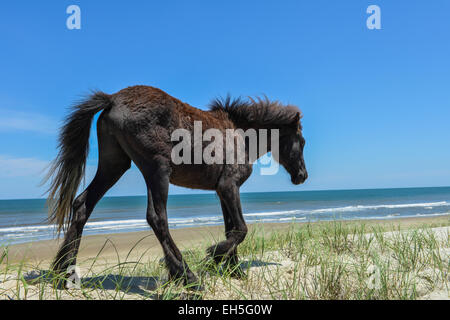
<point>108,251</point>
<point>111,245</point>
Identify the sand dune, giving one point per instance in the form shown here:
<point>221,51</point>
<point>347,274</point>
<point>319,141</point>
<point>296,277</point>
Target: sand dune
<point>133,260</point>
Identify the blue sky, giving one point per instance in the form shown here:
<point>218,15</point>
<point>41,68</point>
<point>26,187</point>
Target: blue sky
<point>376,103</point>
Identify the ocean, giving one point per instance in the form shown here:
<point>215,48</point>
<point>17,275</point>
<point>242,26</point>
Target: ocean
<point>24,220</point>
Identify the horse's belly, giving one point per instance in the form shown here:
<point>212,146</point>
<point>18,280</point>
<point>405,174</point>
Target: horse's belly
<point>196,176</point>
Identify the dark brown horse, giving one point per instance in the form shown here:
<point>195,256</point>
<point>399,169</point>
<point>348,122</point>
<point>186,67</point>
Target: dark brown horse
<point>136,125</point>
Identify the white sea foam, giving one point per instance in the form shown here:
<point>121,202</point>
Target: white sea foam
<point>353,208</point>
<point>405,216</point>
<point>27,228</point>
<point>28,232</point>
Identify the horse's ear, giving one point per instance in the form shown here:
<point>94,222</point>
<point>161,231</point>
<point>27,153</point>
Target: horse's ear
<point>296,121</point>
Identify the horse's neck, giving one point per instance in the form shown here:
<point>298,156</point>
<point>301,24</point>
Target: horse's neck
<point>263,143</point>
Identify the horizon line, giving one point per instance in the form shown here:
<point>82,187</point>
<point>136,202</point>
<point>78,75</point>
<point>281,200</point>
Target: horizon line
<point>251,192</point>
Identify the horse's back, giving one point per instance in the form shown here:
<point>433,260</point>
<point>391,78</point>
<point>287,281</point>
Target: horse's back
<point>143,119</point>
<point>139,106</point>
<point>143,97</point>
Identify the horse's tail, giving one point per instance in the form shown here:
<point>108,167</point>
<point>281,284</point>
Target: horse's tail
<point>68,168</point>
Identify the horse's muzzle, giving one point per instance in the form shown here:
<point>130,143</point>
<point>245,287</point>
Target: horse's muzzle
<point>300,178</point>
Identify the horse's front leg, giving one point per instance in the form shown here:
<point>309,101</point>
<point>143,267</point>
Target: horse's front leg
<point>235,228</point>
<point>157,179</point>
<point>232,257</point>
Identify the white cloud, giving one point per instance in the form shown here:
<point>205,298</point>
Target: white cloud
<point>24,121</point>
<point>21,167</point>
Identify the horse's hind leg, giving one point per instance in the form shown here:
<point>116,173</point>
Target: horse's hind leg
<point>113,162</point>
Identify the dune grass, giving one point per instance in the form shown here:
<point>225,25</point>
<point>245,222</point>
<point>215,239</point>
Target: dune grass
<point>332,260</point>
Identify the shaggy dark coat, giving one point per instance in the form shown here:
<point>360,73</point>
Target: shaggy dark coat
<point>136,125</point>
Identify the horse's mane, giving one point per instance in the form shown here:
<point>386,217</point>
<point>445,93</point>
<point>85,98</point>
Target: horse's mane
<point>261,112</point>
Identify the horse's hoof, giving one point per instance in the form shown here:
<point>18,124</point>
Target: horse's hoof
<point>209,266</point>
<point>58,282</point>
<point>57,269</point>
<point>193,284</point>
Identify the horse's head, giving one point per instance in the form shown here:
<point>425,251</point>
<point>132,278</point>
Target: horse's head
<point>291,151</point>
<point>262,113</point>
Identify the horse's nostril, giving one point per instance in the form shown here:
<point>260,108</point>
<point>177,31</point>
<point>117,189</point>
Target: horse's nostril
<point>298,179</point>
